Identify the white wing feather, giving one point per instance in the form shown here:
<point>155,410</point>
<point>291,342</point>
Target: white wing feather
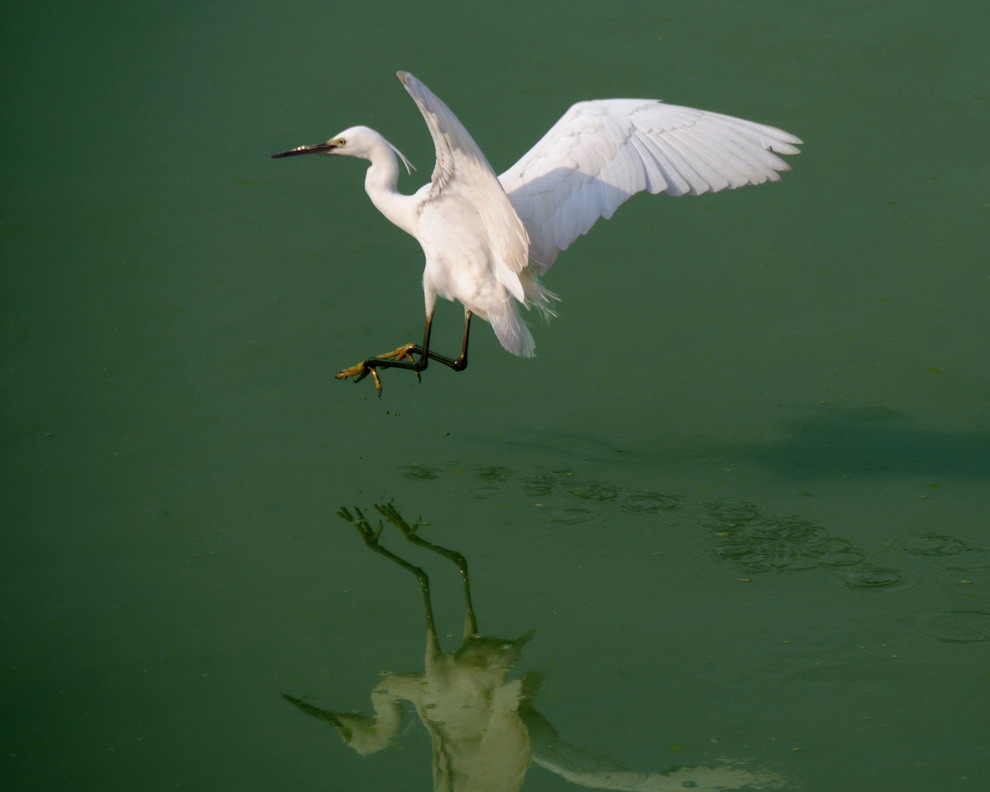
<point>600,153</point>
<point>463,174</point>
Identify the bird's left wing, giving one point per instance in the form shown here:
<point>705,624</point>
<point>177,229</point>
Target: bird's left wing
<point>462,172</point>
<point>600,153</point>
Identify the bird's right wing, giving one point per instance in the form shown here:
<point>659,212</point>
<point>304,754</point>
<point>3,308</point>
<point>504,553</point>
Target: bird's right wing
<point>463,174</point>
<point>602,152</point>
<point>463,177</point>
<point>454,144</point>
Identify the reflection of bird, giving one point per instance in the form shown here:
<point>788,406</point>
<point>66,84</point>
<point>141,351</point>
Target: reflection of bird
<point>483,727</point>
<point>488,238</point>
<point>480,743</point>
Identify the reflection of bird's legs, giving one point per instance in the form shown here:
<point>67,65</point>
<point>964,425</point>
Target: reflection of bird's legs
<point>371,537</point>
<point>403,357</point>
<point>409,531</point>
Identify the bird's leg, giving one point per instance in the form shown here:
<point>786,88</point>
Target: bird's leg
<point>389,512</point>
<point>425,355</point>
<point>371,538</point>
<point>397,358</point>
<point>460,362</point>
<point>404,357</point>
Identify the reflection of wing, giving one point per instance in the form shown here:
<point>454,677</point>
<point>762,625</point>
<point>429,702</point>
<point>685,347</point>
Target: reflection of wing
<point>597,772</point>
<point>600,153</point>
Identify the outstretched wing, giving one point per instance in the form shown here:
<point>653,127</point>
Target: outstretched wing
<point>600,153</point>
<point>463,174</point>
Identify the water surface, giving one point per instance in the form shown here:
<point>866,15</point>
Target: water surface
<point>740,495</point>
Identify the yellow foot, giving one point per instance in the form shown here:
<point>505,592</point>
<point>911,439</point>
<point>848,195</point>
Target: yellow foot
<point>400,354</point>
<point>359,372</point>
<point>366,367</point>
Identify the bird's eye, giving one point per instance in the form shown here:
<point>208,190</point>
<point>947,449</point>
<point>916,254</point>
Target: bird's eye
<point>341,142</point>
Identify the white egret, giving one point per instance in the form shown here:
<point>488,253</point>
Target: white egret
<point>488,239</point>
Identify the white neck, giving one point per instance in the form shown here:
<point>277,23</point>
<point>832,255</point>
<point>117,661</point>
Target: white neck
<point>380,183</point>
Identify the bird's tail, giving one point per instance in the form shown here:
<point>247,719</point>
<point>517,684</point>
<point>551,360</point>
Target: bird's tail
<point>511,330</point>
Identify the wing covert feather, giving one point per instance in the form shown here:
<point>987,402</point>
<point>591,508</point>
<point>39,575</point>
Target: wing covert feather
<point>462,174</point>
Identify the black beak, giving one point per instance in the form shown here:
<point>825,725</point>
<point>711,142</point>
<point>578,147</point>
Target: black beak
<point>319,148</point>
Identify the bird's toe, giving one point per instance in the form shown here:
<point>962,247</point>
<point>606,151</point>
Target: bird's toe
<point>359,372</point>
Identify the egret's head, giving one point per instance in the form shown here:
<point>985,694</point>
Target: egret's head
<point>351,142</point>
<point>358,141</point>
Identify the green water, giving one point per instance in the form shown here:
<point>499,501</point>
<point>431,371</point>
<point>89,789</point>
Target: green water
<point>740,495</point>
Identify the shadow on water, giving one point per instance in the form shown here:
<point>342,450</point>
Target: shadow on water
<point>835,441</point>
<point>485,731</point>
<point>874,440</point>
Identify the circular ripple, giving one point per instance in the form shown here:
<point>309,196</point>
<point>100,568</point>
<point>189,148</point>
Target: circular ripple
<point>764,559</point>
<point>573,516</point>
<point>734,512</point>
<point>957,627</point>
<point>546,482</point>
<point>755,541</point>
<point>417,471</point>
<point>537,488</point>
<point>876,579</point>
<point>950,551</point>
<point>493,473</point>
<point>932,545</point>
<point>838,552</point>
<point>785,529</point>
<point>977,561</point>
<point>646,502</point>
<point>484,493</point>
<point>595,491</point>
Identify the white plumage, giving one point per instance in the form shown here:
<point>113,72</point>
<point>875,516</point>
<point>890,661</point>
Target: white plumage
<point>601,153</point>
<point>488,239</point>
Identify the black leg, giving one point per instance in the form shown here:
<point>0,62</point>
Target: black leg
<point>460,362</point>
<point>403,357</point>
<point>389,512</point>
<point>371,537</point>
